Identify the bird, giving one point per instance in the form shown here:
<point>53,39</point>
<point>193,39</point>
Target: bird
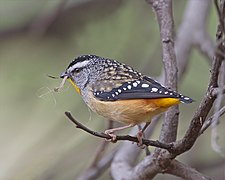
<point>119,93</point>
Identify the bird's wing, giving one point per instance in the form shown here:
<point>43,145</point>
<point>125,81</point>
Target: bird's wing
<point>144,88</point>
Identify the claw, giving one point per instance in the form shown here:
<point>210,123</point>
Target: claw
<point>113,136</point>
<point>142,146</point>
<point>140,136</point>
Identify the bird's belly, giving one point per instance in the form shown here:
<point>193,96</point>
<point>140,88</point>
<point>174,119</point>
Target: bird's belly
<point>128,111</point>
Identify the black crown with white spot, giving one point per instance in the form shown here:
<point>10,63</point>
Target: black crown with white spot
<point>83,58</point>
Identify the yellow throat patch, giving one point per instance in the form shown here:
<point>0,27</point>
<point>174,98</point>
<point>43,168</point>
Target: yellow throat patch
<point>75,86</point>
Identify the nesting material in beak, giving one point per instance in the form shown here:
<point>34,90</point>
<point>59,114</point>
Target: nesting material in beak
<point>59,88</point>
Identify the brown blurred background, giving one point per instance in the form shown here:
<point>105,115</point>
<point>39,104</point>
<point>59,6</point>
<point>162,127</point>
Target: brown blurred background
<point>41,37</point>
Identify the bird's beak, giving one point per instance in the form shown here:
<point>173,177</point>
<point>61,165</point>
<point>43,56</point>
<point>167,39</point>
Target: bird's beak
<point>64,74</point>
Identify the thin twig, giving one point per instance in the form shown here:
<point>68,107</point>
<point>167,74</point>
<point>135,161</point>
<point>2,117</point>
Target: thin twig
<point>167,146</point>
<point>215,121</point>
<point>220,15</point>
<point>209,121</point>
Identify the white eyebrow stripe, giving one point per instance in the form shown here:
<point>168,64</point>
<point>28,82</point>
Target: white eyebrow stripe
<point>78,65</point>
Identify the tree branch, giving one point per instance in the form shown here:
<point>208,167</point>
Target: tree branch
<point>184,171</point>
<point>124,159</point>
<point>221,14</point>
<point>206,104</point>
<point>217,91</point>
<point>209,121</point>
<point>163,11</point>
<point>158,162</point>
<point>217,105</point>
<point>146,142</point>
<point>122,165</point>
<point>161,160</point>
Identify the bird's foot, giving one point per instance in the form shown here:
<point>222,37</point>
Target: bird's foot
<point>113,136</point>
<point>140,136</point>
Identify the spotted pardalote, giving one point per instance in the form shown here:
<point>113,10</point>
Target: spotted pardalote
<point>118,92</point>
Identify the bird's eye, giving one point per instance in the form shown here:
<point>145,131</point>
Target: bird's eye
<point>77,70</point>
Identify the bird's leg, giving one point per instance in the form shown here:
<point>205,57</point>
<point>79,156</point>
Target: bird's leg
<point>110,132</point>
<point>140,134</point>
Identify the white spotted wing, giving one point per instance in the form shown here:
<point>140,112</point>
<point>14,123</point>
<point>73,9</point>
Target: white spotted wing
<point>144,88</point>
